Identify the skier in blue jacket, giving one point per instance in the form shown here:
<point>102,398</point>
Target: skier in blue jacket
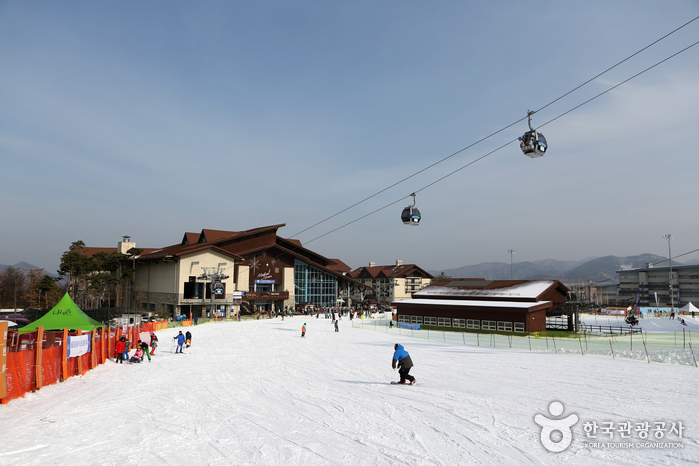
<point>180,342</point>
<point>402,359</point>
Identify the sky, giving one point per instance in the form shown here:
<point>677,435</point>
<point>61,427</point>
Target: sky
<point>152,120</point>
<point>254,392</point>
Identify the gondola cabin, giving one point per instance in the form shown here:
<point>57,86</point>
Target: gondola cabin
<point>533,144</point>
<point>411,216</point>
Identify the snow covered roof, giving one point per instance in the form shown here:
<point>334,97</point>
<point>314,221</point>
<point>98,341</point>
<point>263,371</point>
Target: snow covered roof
<point>468,302</point>
<point>530,290</point>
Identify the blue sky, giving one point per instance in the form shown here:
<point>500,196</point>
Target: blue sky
<point>150,119</point>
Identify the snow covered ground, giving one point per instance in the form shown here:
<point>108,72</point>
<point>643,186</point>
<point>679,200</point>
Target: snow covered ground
<point>256,393</point>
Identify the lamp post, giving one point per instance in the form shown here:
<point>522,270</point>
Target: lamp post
<point>669,252</point>
<point>511,251</point>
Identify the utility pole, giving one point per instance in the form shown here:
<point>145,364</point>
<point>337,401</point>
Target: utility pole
<point>511,251</point>
<point>669,251</point>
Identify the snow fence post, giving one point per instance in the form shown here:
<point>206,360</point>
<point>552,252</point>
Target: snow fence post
<point>555,350</point>
<point>610,345</point>
<point>64,356</point>
<point>38,347</point>
<point>695,359</point>
<point>80,359</point>
<point>529,341</point>
<point>3,359</point>
<point>581,350</point>
<point>647,356</point>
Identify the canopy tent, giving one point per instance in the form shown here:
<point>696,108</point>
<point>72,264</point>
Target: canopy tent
<point>689,308</point>
<point>65,314</point>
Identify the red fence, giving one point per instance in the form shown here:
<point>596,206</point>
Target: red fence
<point>22,354</point>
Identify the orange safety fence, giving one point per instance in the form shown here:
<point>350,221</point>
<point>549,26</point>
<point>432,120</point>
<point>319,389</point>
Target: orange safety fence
<point>22,358</point>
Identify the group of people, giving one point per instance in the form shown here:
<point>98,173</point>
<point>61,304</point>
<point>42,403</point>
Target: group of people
<point>142,348</point>
<point>182,341</point>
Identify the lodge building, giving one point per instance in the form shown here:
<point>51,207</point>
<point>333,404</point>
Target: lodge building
<point>518,306</point>
<point>226,272</point>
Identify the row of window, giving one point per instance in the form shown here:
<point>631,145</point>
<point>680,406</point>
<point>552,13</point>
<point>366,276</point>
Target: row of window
<point>461,323</point>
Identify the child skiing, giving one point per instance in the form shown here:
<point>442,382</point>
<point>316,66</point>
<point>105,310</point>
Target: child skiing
<point>303,330</point>
<point>180,342</point>
<point>153,343</point>
<point>402,358</point>
<point>188,338</point>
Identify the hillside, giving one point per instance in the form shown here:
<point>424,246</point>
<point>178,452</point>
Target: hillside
<point>596,269</point>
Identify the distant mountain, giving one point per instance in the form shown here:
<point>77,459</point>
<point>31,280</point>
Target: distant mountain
<point>24,266</point>
<point>595,269</point>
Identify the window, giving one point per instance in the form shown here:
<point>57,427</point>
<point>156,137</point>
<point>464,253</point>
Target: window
<point>416,319</point>
<point>519,326</point>
<point>473,324</point>
<point>489,325</point>
<point>430,321</point>
<point>444,322</point>
<point>404,318</point>
<point>504,326</point>
<point>461,323</point>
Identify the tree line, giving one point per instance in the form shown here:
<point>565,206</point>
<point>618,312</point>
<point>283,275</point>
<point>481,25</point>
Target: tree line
<point>103,279</point>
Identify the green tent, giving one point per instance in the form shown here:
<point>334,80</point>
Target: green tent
<point>65,314</point>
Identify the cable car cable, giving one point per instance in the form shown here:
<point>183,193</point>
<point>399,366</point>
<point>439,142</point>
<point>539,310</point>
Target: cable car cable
<point>496,132</point>
<point>506,144</point>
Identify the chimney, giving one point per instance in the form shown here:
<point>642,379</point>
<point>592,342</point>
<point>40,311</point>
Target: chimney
<point>372,264</point>
<point>399,263</point>
<point>125,244</point>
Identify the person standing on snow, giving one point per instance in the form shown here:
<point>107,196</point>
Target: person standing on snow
<point>402,359</point>
<point>180,342</point>
<point>303,330</point>
<point>120,350</point>
<point>153,343</point>
<point>188,338</point>
<point>337,329</point>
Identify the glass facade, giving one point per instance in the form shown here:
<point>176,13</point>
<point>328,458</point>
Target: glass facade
<point>314,286</point>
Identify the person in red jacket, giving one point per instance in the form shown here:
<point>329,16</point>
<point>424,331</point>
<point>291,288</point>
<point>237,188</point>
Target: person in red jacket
<point>120,349</point>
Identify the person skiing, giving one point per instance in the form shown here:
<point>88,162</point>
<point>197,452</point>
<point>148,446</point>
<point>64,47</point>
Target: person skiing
<point>180,343</point>
<point>188,338</point>
<point>337,329</point>
<point>402,359</point>
<point>153,343</point>
<point>303,330</point>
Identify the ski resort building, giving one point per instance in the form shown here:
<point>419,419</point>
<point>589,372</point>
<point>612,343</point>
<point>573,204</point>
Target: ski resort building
<point>518,306</point>
<point>388,283</point>
<point>226,272</point>
<point>651,286</point>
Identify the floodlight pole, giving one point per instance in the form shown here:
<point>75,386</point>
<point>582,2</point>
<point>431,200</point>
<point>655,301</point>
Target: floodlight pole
<point>511,251</point>
<point>669,252</point>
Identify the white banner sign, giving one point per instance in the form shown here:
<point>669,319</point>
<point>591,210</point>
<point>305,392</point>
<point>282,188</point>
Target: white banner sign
<point>78,345</point>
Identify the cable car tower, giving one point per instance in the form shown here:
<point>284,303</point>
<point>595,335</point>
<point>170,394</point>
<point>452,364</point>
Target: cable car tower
<point>533,144</point>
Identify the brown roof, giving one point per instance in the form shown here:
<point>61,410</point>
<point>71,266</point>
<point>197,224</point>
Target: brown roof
<point>390,271</point>
<point>337,264</point>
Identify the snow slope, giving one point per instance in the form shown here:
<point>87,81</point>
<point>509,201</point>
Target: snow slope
<point>256,393</point>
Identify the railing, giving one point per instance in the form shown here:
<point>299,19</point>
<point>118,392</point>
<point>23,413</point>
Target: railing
<point>609,329</point>
<point>665,348</point>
